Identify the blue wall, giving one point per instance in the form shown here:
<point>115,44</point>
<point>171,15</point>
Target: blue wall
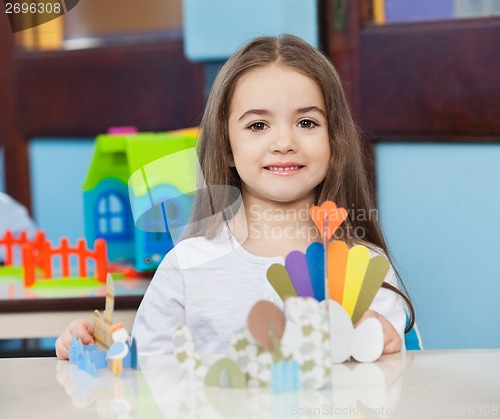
<point>214,29</point>
<point>439,207</point>
<point>57,170</point>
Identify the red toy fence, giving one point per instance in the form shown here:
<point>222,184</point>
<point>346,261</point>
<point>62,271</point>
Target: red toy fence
<point>43,258</point>
<point>9,241</point>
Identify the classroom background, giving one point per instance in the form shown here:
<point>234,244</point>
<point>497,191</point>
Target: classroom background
<point>421,77</point>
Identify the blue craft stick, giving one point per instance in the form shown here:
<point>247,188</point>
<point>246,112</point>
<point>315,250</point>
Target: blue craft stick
<point>315,257</point>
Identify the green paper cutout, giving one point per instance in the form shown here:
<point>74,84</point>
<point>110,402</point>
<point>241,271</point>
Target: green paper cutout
<point>225,373</point>
<point>374,277</point>
<point>278,277</point>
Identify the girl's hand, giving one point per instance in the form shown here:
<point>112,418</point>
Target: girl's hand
<point>392,340</point>
<point>82,328</point>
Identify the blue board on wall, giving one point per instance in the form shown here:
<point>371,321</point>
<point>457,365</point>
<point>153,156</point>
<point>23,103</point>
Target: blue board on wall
<point>411,10</point>
<point>215,29</point>
<point>57,172</point>
<point>439,207</point>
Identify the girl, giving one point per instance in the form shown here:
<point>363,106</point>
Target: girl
<point>277,129</point>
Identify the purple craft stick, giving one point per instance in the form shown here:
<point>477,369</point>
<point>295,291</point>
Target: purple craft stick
<point>296,266</point>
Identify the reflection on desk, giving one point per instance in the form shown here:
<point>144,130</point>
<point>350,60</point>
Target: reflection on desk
<point>420,384</point>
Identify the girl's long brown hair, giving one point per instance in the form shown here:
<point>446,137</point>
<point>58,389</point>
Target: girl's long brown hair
<point>346,181</point>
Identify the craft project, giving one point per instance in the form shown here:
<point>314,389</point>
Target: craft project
<point>350,277</point>
<point>112,342</point>
<point>326,290</point>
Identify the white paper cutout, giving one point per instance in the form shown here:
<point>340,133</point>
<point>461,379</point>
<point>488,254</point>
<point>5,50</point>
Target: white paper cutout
<point>254,361</point>
<point>186,353</point>
<point>313,351</point>
<point>364,344</point>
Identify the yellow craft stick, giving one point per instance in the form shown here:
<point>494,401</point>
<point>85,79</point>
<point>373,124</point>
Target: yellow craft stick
<point>337,264</point>
<point>357,264</point>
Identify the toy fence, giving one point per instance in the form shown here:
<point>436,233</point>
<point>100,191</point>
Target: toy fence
<point>41,255</point>
<point>9,242</point>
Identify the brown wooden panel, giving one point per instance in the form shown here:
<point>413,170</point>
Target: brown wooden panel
<point>341,22</point>
<point>431,81</point>
<point>17,182</point>
<point>130,302</point>
<point>83,92</point>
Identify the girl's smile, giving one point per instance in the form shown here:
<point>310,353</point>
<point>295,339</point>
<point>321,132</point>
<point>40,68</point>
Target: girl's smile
<point>284,168</point>
<point>278,133</point>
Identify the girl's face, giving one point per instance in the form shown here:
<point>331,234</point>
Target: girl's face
<point>278,134</point>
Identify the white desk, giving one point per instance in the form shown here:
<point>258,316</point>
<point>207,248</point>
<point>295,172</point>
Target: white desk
<point>426,384</point>
<point>38,313</point>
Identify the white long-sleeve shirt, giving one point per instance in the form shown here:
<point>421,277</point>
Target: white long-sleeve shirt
<point>211,285</point>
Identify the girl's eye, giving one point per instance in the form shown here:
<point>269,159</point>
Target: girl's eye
<point>257,126</point>
<point>307,123</point>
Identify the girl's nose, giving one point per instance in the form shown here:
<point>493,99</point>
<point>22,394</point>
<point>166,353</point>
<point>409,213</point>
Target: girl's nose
<point>284,141</point>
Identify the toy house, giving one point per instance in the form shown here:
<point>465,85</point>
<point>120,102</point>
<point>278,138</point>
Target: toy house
<point>130,179</point>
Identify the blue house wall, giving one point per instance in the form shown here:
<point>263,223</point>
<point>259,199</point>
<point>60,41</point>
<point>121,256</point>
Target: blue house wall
<point>120,243</point>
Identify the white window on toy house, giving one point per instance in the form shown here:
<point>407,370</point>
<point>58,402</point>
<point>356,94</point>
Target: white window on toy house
<point>111,217</point>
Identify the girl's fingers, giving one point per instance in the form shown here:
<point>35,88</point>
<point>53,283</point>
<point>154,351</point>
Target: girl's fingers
<point>392,340</point>
<point>61,350</point>
<point>82,329</point>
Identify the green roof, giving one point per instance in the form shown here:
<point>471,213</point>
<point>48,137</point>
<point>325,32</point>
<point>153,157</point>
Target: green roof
<point>119,156</point>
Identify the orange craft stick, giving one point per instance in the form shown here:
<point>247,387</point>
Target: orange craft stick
<point>338,253</point>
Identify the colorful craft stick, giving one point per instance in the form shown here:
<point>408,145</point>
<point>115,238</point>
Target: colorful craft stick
<point>296,266</point>
<point>338,253</point>
<point>357,264</point>
<point>315,256</point>
<point>375,274</point>
<point>280,280</point>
